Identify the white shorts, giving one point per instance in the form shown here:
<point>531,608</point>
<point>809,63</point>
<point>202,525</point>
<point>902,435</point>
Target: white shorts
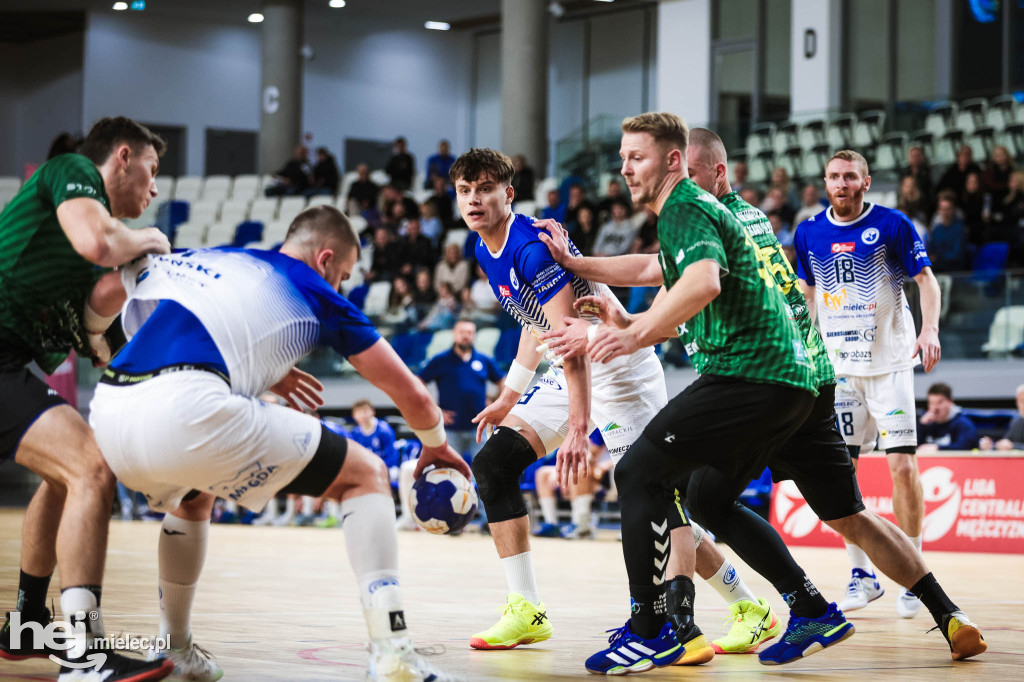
<point>881,406</point>
<point>178,432</point>
<point>621,405</point>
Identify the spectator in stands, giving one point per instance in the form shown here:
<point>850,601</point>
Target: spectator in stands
<point>972,207</point>
<point>783,232</point>
<point>777,202</point>
<point>65,143</point>
<point>917,166</point>
<point>580,494</point>
<point>439,164</point>
<point>414,248</point>
<point>739,177</point>
<point>453,270</point>
<point>554,210</point>
<point>424,295</point>
<point>1013,218</point>
<point>810,204</point>
<point>780,181</point>
<point>325,174</point>
<point>394,217</point>
<point>294,177</point>
<point>944,426</point>
<point>387,260</point>
<point>912,201</point>
<point>751,196</point>
<point>478,302</point>
<point>615,194</point>
<point>401,314</point>
<point>996,177</point>
<point>647,237</point>
<point>583,232</point>
<point>431,224</point>
<point>947,244</point>
<point>444,312</point>
<point>1013,439</point>
<point>442,202</point>
<point>577,199</point>
<point>955,177</point>
<point>523,179</point>
<point>373,434</point>
<point>363,191</point>
<point>616,236</point>
<point>401,167</point>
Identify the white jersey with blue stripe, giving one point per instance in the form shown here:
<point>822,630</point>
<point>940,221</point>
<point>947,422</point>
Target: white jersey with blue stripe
<point>264,310</point>
<point>524,276</point>
<point>858,269</point>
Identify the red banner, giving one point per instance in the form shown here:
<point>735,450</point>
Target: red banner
<point>64,380</point>
<point>972,504</point>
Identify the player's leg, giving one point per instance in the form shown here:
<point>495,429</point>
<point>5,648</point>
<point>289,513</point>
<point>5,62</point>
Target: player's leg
<point>406,479</point>
<point>546,483</point>
<point>581,501</point>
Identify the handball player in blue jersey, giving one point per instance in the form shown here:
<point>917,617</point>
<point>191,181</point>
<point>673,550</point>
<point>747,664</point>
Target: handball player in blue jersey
<point>177,416</point>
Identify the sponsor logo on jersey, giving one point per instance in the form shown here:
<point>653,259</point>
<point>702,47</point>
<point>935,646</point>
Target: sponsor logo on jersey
<point>835,301</point>
<point>513,278</point>
<point>869,236</point>
<point>615,426</point>
<point>843,247</point>
<point>865,334</point>
<point>847,403</point>
<point>504,290</point>
<point>854,355</point>
<point>893,413</point>
<point>896,433</point>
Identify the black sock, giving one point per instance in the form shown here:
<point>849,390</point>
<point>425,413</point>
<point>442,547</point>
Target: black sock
<point>680,595</point>
<point>803,597</point>
<point>32,594</point>
<point>648,610</point>
<point>927,589</point>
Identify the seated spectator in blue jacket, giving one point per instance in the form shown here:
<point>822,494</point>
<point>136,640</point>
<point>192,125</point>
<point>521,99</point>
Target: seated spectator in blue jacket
<point>555,210</point>
<point>373,434</point>
<point>1013,439</point>
<point>439,164</point>
<point>944,426</point>
<point>947,246</point>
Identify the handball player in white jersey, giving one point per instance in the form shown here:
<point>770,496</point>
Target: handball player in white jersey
<point>177,416</point>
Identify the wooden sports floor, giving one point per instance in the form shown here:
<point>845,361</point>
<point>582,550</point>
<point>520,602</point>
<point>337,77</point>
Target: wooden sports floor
<point>281,604</point>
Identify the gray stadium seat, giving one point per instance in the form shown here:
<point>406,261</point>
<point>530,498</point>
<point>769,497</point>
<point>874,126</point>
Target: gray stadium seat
<point>971,114</point>
<point>245,188</point>
<point>376,302</point>
<point>487,340</point>
<point>164,188</point>
<point>219,234</point>
<point>290,207</point>
<point>321,200</point>
<point>188,187</point>
<point>263,210</point>
<point>867,132</point>
<point>190,235</point>
<point>839,134</point>
<point>891,152</point>
<point>526,207</point>
<point>1006,331</point>
<point>217,187</point>
<point>940,118</point>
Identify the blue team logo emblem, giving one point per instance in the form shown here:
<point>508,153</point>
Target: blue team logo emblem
<point>512,277</point>
<point>477,365</point>
<point>870,236</point>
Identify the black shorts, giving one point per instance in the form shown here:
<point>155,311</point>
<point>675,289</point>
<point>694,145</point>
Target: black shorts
<point>23,397</point>
<point>816,459</point>
<point>730,424</point>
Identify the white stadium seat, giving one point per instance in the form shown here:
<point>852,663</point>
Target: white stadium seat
<point>321,200</point>
<point>291,207</point>
<point>245,187</point>
<point>190,235</point>
<point>187,187</point>
<point>275,231</point>
<point>263,210</point>
<point>376,302</point>
<point>164,188</point>
<point>217,187</point>
<point>219,234</point>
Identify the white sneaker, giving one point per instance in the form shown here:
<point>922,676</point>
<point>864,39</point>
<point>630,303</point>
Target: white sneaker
<point>395,660</point>
<point>908,605</point>
<point>265,519</point>
<point>406,522</point>
<point>284,519</point>
<point>191,662</point>
<point>863,589</point>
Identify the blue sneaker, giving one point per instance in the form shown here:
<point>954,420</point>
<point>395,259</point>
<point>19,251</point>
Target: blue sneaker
<point>548,530</point>
<point>630,653</point>
<point>805,636</point>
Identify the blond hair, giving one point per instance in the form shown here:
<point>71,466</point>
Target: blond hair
<point>850,155</point>
<point>662,126</point>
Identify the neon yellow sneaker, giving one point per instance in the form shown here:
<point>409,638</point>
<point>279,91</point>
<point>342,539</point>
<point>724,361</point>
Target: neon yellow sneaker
<point>752,625</point>
<point>521,623</point>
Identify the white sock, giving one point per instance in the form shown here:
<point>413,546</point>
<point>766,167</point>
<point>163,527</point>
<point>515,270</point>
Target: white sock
<point>916,539</point>
<point>182,553</point>
<point>859,559</point>
<point>272,509</point>
<point>729,585</point>
<point>581,510</point>
<point>405,482</point>
<point>289,506</point>
<point>81,600</point>
<point>520,576</point>
<point>307,505</point>
<point>372,544</point>
<point>330,509</point>
<point>549,510</point>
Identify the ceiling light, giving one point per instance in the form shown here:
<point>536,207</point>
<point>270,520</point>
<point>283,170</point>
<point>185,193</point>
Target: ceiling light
<point>255,18</point>
<point>437,25</point>
<point>120,6</point>
<point>336,3</point>
<point>604,0</point>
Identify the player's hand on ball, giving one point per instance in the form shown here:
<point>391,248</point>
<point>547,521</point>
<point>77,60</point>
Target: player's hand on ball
<point>300,390</point>
<point>493,414</point>
<point>573,456</point>
<point>442,456</point>
<point>570,341</point>
<point>610,343</point>
<point>603,309</point>
<point>556,238</point>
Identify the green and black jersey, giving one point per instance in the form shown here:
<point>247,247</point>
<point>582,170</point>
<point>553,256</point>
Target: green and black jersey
<point>44,282</point>
<point>756,223</point>
<point>746,332</point>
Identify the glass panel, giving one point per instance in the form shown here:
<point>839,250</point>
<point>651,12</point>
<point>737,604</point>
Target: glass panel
<point>1016,46</point>
<point>867,54</point>
<point>735,19</point>
<point>915,50</point>
<point>978,68</point>
<point>734,77</point>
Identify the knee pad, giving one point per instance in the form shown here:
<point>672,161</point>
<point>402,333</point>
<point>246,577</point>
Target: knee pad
<point>497,468</point>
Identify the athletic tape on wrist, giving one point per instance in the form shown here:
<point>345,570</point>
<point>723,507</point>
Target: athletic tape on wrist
<point>433,437</point>
<point>518,378</point>
<point>592,331</point>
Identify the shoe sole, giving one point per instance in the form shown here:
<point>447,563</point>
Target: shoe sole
<point>966,642</point>
<point>8,656</point>
<point>166,669</point>
<point>814,648</point>
<point>483,645</point>
<point>752,649</point>
<point>700,653</point>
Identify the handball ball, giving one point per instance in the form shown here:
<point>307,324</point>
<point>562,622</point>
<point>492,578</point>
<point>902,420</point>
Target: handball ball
<point>443,501</point>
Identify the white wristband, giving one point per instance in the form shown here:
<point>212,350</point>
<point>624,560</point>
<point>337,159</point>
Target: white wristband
<point>96,323</point>
<point>518,378</point>
<point>592,331</point>
<point>433,437</point>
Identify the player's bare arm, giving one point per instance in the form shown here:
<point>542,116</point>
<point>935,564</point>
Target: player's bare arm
<point>698,286</point>
<point>104,240</point>
<point>931,301</point>
<point>101,309</point>
<point>630,270</point>
<point>808,290</point>
<point>380,365</point>
<point>527,359</point>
